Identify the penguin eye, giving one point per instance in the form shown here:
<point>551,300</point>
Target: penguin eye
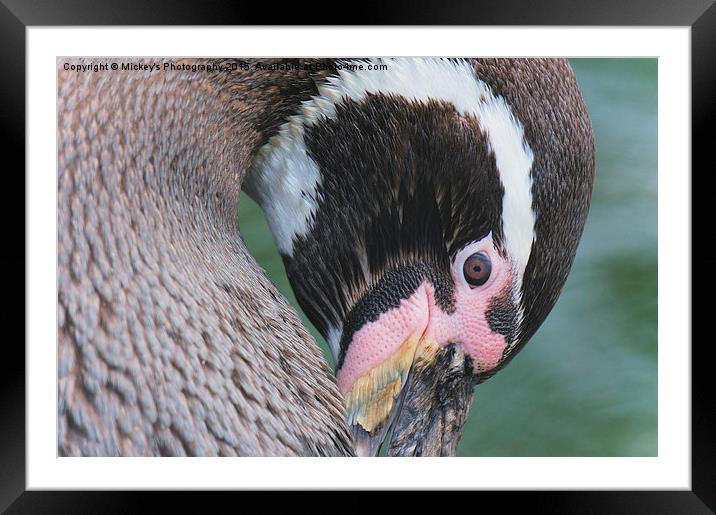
<point>477,269</point>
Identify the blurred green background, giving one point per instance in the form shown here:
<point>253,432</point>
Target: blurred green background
<point>586,384</point>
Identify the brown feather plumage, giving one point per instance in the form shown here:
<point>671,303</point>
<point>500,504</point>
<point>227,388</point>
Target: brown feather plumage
<point>172,341</point>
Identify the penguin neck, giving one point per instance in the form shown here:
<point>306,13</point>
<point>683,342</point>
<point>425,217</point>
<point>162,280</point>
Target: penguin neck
<point>156,291</point>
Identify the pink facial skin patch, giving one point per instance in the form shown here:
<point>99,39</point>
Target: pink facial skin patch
<point>420,317</point>
<point>377,341</point>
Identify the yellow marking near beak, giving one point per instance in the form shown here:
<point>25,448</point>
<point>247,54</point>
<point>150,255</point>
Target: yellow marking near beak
<point>371,399</point>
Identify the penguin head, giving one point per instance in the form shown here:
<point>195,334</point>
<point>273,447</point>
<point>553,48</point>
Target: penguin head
<point>428,212</point>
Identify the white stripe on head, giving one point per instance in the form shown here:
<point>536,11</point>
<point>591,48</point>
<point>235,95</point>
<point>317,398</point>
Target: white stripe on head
<point>333,338</point>
<point>284,179</point>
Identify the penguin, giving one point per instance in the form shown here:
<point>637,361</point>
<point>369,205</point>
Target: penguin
<point>428,212</point>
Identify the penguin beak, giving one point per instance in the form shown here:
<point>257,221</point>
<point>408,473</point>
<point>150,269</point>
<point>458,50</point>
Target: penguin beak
<point>424,404</point>
<point>436,401</point>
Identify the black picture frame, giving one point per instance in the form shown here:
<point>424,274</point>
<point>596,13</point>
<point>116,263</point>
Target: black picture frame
<point>17,15</point>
